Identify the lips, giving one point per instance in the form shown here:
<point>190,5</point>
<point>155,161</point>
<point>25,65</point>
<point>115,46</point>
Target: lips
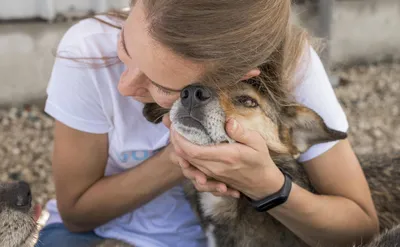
<point>191,122</point>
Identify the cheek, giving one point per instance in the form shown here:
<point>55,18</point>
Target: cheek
<point>267,129</point>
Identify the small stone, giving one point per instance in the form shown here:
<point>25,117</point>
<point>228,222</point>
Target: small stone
<point>16,151</point>
<point>395,110</point>
<point>38,125</point>
<point>15,175</point>
<point>5,122</point>
<point>13,113</point>
<point>377,133</point>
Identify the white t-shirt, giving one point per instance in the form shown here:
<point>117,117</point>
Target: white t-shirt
<point>87,99</point>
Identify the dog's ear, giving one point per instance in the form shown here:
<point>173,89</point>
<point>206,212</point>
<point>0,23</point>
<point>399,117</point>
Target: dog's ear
<point>302,127</point>
<point>153,112</point>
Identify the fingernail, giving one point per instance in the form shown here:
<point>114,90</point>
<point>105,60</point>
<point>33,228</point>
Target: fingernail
<point>222,188</point>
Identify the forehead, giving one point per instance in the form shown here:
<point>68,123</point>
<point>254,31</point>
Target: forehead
<point>158,62</point>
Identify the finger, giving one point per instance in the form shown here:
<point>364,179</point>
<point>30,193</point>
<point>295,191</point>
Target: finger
<point>194,174</point>
<point>228,193</point>
<point>166,120</point>
<point>183,163</point>
<point>216,170</point>
<point>220,152</point>
<point>37,211</point>
<point>211,186</point>
<point>245,136</point>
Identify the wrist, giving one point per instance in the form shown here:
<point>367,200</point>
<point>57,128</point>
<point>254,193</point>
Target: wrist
<point>167,160</point>
<point>275,199</point>
<point>271,181</point>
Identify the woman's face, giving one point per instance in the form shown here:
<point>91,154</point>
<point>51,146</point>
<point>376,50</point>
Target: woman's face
<point>153,73</point>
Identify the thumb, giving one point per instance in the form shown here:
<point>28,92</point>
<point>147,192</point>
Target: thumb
<point>37,211</point>
<point>166,121</point>
<point>245,136</point>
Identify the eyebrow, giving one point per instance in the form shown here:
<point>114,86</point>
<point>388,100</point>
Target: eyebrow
<point>123,43</point>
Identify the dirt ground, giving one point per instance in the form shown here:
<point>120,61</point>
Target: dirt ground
<point>370,96</point>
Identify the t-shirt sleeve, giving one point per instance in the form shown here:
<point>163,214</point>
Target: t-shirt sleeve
<point>316,92</point>
<point>73,96</point>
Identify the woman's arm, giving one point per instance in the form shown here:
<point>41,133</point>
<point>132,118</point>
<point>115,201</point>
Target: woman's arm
<point>86,199</point>
<point>341,216</point>
<point>343,213</point>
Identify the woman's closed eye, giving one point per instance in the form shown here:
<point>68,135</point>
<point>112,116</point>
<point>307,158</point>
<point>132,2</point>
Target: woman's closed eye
<point>163,91</point>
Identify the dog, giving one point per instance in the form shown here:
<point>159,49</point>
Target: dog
<point>288,130</point>
<point>18,227</point>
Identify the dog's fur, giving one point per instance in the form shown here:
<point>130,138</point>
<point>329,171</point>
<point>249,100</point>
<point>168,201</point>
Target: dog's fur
<point>288,131</point>
<point>389,238</point>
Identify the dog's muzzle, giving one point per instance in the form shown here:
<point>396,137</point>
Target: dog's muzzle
<point>198,115</point>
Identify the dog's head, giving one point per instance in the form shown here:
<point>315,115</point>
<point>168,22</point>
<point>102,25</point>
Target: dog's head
<point>201,112</point>
<point>17,225</point>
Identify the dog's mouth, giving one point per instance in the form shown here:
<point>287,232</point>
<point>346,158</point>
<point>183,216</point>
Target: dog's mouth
<point>191,122</point>
<point>198,132</point>
<point>193,130</point>
<point>201,125</point>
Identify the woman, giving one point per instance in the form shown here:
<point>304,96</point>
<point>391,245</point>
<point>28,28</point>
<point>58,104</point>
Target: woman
<point>118,176</point>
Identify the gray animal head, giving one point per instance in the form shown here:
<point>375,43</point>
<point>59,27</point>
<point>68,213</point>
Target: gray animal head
<point>17,225</point>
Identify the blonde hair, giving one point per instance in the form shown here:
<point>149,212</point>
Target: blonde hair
<point>231,37</point>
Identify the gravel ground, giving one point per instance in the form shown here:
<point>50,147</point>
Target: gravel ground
<point>370,96</point>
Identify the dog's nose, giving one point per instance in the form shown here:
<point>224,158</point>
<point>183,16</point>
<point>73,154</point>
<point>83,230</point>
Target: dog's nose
<point>194,96</point>
<point>20,197</point>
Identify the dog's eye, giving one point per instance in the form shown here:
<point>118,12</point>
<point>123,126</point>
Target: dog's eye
<point>247,101</point>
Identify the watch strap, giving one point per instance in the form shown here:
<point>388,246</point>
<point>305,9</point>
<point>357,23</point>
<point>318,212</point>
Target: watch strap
<point>274,199</point>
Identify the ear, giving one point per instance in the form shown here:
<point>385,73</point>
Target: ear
<point>302,128</point>
<point>154,113</point>
<point>252,73</point>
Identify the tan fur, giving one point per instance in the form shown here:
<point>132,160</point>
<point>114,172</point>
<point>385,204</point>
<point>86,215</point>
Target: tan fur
<point>256,119</point>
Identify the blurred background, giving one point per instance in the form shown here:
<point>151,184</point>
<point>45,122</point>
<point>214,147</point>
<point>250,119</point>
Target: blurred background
<point>362,57</point>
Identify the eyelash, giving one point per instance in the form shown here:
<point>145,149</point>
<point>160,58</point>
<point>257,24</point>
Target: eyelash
<point>163,91</point>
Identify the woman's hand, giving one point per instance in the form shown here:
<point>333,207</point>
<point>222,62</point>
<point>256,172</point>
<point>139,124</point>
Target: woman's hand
<point>198,178</point>
<point>245,166</point>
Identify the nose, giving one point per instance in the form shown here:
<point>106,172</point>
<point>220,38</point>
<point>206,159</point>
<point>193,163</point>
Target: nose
<point>194,96</point>
<point>20,197</point>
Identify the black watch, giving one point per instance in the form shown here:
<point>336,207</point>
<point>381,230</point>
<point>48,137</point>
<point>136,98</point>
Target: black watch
<point>275,199</point>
